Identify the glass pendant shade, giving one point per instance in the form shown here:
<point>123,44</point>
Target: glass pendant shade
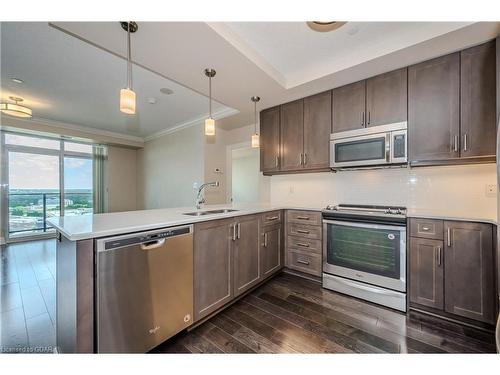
<point>255,141</point>
<point>16,110</point>
<point>209,126</point>
<point>127,101</point>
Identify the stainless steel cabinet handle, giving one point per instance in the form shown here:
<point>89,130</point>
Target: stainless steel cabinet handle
<point>439,256</point>
<point>234,232</point>
<point>466,138</point>
<point>303,217</point>
<point>265,239</point>
<point>369,113</point>
<point>448,236</point>
<point>455,143</point>
<point>425,229</point>
<point>276,161</point>
<point>363,119</point>
<point>305,159</point>
<point>301,244</point>
<point>300,158</point>
<point>272,218</point>
<point>239,230</point>
<point>306,262</point>
<point>152,245</point>
<point>303,231</point>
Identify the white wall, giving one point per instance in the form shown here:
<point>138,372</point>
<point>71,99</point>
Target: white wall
<point>121,179</point>
<point>215,158</point>
<point>245,175</point>
<point>167,168</point>
<point>451,190</point>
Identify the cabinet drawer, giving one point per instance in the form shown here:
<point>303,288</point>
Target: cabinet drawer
<point>304,231</point>
<point>304,244</point>
<point>270,218</point>
<point>303,217</point>
<point>426,228</point>
<point>305,262</point>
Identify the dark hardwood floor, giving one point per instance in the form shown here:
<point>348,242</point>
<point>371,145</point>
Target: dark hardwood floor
<point>27,297</point>
<point>293,315</point>
<point>288,314</point>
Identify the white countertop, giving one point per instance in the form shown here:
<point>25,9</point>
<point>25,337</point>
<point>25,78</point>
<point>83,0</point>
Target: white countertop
<point>101,225</point>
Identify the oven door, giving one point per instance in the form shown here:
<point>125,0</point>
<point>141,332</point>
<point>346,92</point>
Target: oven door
<point>373,149</point>
<point>370,253</point>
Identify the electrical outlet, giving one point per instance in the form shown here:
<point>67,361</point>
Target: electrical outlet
<point>491,190</point>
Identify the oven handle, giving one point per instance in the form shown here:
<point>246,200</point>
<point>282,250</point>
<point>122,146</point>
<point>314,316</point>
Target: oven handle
<point>367,288</point>
<point>362,225</point>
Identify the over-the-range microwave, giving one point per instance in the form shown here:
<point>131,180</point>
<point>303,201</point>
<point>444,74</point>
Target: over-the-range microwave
<point>384,145</point>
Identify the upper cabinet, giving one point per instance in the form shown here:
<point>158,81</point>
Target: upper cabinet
<point>433,106</point>
<point>387,98</point>
<point>270,139</point>
<point>317,129</point>
<point>451,108</point>
<point>478,101</point>
<point>349,107</point>
<point>292,135</point>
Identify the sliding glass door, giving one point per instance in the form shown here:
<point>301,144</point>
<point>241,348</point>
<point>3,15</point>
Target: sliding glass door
<point>43,178</point>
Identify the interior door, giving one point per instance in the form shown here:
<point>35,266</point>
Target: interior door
<point>292,135</point>
<point>317,129</point>
<point>348,107</point>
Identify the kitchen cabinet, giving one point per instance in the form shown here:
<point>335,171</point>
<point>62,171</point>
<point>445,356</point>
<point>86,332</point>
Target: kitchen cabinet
<point>478,100</point>
<point>270,140</point>
<point>245,247</point>
<point>452,269</point>
<point>433,109</point>
<point>213,266</point>
<point>387,98</point>
<point>317,129</point>
<point>469,267</point>
<point>270,250</point>
<point>348,106</point>
<point>292,135</point>
<point>427,272</point>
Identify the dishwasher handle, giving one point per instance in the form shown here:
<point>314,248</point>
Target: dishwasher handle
<point>153,244</point>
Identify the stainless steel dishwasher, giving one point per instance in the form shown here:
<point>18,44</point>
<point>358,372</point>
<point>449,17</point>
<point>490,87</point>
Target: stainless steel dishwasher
<point>144,289</point>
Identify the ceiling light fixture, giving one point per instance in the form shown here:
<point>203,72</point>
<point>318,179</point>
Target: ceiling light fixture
<point>324,27</point>
<point>127,95</point>
<point>15,109</point>
<point>210,122</point>
<point>255,136</point>
<point>17,80</point>
<point>166,91</point>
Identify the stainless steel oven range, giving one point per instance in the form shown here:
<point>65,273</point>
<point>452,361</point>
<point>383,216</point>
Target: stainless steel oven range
<point>364,253</point>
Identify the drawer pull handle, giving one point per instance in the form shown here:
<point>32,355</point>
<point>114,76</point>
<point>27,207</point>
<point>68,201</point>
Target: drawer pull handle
<point>303,217</point>
<point>272,218</point>
<point>426,229</point>
<point>306,262</point>
<point>302,244</point>
<point>303,231</point>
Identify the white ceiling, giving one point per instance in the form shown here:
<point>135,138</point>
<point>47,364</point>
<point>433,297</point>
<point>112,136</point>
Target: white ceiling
<point>300,55</point>
<point>70,81</point>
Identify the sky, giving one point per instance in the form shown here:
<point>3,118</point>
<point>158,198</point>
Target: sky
<point>34,171</point>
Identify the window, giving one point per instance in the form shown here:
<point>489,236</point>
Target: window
<point>27,141</point>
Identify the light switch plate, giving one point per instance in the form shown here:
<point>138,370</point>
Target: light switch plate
<point>491,190</point>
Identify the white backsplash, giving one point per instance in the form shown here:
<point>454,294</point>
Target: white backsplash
<point>454,191</point>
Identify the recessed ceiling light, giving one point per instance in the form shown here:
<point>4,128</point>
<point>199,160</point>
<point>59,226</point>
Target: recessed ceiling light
<point>152,100</point>
<point>166,91</point>
<point>324,26</point>
<point>16,80</point>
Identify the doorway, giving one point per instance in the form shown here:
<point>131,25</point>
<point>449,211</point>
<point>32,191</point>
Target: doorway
<point>245,175</point>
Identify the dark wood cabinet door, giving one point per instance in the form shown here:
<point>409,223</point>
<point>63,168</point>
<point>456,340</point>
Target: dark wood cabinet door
<point>246,254</point>
<point>478,100</point>
<point>348,107</point>
<point>386,98</point>
<point>270,250</point>
<point>270,139</point>
<point>317,129</point>
<point>469,267</point>
<point>212,266</point>
<point>292,135</point>
<point>433,109</point>
<point>427,272</point>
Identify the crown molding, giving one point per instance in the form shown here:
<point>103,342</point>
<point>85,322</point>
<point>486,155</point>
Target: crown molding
<point>197,121</point>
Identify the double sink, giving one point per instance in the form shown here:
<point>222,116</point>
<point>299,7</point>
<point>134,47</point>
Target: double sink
<point>210,212</point>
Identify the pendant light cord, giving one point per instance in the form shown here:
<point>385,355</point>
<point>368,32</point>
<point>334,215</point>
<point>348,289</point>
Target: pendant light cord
<point>210,97</point>
<point>129,64</point>
<point>255,116</point>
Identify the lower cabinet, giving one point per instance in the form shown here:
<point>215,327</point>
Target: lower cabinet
<point>455,273</point>
<point>232,256</point>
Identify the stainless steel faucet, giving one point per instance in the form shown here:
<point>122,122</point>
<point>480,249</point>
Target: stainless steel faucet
<point>201,199</point>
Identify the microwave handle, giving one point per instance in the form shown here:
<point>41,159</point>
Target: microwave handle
<point>388,147</point>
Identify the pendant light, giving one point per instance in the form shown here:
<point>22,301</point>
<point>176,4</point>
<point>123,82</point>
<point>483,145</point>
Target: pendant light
<point>127,95</point>
<point>210,122</point>
<point>15,109</point>
<point>255,136</point>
